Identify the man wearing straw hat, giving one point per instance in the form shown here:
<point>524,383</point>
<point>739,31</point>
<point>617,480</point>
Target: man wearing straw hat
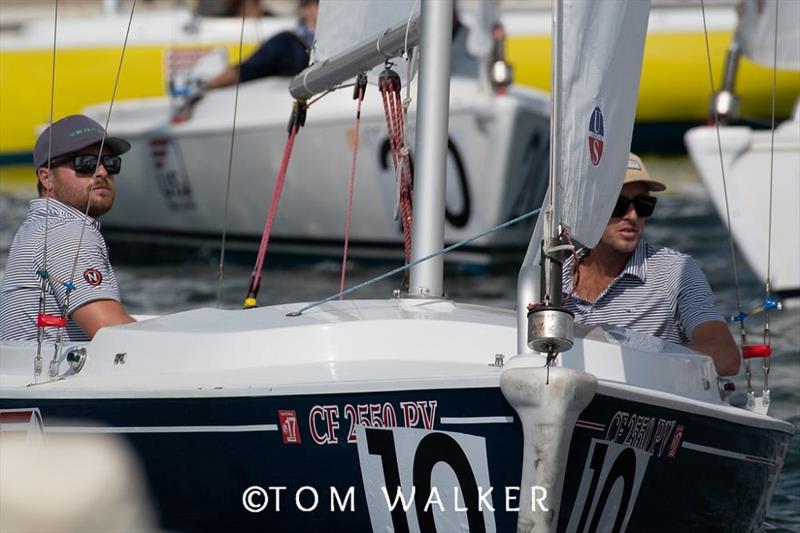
<point>625,281</point>
<point>59,247</point>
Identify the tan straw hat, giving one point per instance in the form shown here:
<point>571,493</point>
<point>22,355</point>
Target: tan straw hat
<point>637,172</point>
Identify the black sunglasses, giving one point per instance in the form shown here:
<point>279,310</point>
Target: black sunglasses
<point>644,206</point>
<point>87,163</point>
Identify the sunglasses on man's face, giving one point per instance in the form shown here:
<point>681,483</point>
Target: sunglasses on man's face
<point>87,163</point>
<point>643,205</point>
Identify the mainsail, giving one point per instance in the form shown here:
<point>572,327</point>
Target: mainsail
<point>344,24</point>
<point>601,59</point>
<point>759,21</point>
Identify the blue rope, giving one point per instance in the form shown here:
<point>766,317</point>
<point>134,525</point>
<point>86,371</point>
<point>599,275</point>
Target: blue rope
<point>418,261</point>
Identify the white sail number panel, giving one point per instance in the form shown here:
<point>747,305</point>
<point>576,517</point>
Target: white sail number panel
<point>415,478</point>
<point>425,480</point>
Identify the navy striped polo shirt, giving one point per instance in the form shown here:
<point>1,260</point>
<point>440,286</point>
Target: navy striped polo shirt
<point>660,292</point>
<point>93,277</point>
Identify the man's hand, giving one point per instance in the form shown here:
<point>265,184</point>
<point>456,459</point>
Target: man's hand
<point>185,97</point>
<point>99,314</point>
<point>715,339</point>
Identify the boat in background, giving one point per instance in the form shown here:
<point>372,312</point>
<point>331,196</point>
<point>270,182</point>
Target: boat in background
<point>751,157</point>
<point>318,417</point>
<point>173,187</point>
<point>161,38</point>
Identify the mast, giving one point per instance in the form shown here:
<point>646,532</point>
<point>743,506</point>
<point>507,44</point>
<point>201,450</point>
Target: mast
<point>433,105</point>
<point>551,273</point>
<point>550,326</point>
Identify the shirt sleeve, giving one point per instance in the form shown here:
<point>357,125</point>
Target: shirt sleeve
<point>93,277</point>
<point>695,301</point>
<point>282,55</point>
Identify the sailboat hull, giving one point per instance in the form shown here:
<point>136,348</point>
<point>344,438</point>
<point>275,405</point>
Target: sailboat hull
<point>174,186</point>
<point>633,464</point>
<point>754,170</point>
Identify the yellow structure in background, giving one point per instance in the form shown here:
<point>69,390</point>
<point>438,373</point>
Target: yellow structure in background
<point>83,76</point>
<point>675,83</point>
<point>674,86</point>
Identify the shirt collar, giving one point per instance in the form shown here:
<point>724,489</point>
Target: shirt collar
<point>636,265</point>
<point>39,207</point>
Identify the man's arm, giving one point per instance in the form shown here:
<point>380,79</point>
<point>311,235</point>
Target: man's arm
<point>99,314</point>
<point>227,77</point>
<point>715,339</point>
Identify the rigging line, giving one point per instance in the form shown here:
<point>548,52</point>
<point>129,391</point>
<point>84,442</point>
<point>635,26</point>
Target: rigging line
<point>412,264</point>
<point>772,146</point>
<point>406,53</point>
<point>50,136</point>
<point>103,139</point>
<point>221,268</point>
<point>255,278</point>
<point>37,365</point>
<point>326,93</point>
<point>771,180</point>
<point>722,170</point>
<point>59,332</point>
<point>361,87</point>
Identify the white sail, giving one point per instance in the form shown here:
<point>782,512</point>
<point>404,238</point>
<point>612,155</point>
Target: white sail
<point>479,40</point>
<point>601,61</point>
<point>344,24</point>
<point>760,20</point>
<point>758,26</point>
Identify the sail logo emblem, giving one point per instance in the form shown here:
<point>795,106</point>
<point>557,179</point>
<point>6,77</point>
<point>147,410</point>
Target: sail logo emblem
<point>596,132</point>
<point>289,428</point>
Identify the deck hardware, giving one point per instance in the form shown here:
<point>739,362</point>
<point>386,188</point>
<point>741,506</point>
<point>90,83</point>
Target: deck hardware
<point>550,329</point>
<point>498,360</point>
<point>726,388</point>
<point>76,358</point>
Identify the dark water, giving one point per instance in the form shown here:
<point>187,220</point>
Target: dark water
<point>684,219</point>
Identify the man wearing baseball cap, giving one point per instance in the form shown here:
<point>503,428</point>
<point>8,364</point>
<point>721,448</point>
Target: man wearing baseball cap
<point>58,258</point>
<point>628,282</point>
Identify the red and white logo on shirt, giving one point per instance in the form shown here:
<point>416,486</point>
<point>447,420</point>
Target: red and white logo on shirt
<point>93,276</point>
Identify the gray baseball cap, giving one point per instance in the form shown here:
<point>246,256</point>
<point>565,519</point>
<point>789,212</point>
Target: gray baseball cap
<point>71,134</point>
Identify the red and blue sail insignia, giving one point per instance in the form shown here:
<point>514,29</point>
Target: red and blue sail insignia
<point>596,131</point>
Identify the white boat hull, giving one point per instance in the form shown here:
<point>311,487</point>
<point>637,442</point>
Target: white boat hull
<point>173,183</point>
<point>748,159</point>
<point>217,402</point>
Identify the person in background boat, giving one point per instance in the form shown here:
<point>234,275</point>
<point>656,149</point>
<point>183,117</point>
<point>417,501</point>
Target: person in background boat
<point>284,54</point>
<point>59,239</point>
<point>248,8</point>
<point>628,282</point>
<point>462,62</point>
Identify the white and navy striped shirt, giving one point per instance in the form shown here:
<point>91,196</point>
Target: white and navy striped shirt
<point>93,277</point>
<point>660,292</point>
